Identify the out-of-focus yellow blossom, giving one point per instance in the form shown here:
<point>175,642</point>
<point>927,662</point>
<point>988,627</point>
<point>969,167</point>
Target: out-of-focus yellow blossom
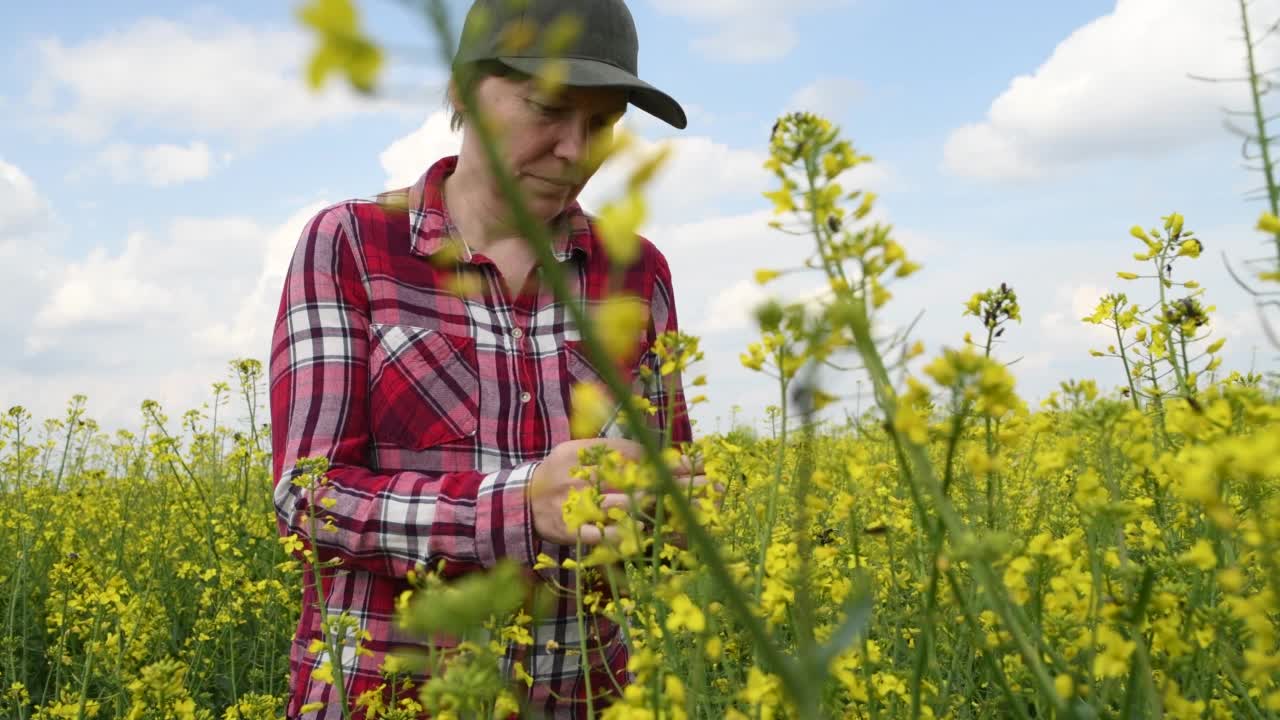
<point>685,615</point>
<point>583,508</point>
<point>1200,555</point>
<point>1112,659</point>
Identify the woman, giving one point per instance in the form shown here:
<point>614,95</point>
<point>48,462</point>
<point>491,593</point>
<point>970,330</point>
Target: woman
<point>445,416</point>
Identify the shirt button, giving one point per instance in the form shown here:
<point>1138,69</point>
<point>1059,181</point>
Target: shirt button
<point>525,397</point>
<point>517,333</point>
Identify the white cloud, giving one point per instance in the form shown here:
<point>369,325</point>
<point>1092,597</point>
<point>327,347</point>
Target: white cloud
<point>1240,325</point>
<point>247,332</point>
<point>207,75</point>
<point>731,308</point>
<point>699,117</point>
<point>26,224</point>
<point>699,175</point>
<point>22,208</point>
<point>163,165</point>
<point>176,280</point>
<point>829,97</point>
<point>159,318</point>
<point>1116,86</point>
<point>746,32</point>
<point>1061,326</point>
<point>748,40</point>
<point>155,165</point>
<point>982,151</point>
<point>102,290</point>
<point>406,159</point>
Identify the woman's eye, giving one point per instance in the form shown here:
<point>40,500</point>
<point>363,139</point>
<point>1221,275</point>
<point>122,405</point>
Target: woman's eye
<point>546,110</point>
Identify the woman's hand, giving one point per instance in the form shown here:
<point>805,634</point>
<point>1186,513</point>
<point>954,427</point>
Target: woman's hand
<point>553,479</point>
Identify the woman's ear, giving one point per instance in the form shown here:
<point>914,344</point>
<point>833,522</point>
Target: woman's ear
<point>452,96</point>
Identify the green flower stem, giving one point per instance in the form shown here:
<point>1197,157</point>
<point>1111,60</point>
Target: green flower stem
<point>804,613</point>
<point>1170,348</point>
<point>1257,83</point>
<point>62,644</point>
<point>991,444</point>
<point>922,471</point>
<point>926,644</point>
<point>73,416</point>
<point>771,511</point>
<point>1124,358</point>
<point>620,619</point>
<point>331,639</point>
<point>88,664</point>
<point>1140,670</point>
<point>1242,691</point>
<point>582,631</point>
<point>976,632</point>
<point>20,573</point>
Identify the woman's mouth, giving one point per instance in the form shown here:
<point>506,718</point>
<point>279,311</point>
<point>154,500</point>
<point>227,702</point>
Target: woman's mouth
<point>559,184</point>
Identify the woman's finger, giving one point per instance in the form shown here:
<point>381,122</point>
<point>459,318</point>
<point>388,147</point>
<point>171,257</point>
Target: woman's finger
<point>592,535</point>
<point>616,500</point>
<point>686,465</point>
<point>612,535</point>
<point>696,481</point>
<point>629,449</point>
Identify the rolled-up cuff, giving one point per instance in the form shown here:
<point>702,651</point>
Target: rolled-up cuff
<point>504,521</point>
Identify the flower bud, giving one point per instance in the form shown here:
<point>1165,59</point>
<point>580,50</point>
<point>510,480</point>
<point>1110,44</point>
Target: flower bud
<point>1269,223</point>
<point>769,315</point>
<point>764,276</point>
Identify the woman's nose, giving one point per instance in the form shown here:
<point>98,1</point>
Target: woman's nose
<point>573,141</point>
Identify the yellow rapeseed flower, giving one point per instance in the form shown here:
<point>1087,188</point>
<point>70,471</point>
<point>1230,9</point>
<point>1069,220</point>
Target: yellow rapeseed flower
<point>1113,659</point>
<point>685,615</point>
<point>617,224</point>
<point>1200,555</point>
<point>582,507</point>
<point>765,276</point>
<point>1269,223</point>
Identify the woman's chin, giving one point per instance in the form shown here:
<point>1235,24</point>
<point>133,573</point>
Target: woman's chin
<point>545,199</point>
<point>545,207</point>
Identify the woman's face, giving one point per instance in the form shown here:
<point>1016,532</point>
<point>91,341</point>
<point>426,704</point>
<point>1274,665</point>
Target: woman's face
<point>544,140</point>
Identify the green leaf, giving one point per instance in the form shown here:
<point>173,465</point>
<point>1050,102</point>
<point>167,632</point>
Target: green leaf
<point>467,603</point>
<point>323,61</point>
<point>329,16</point>
<point>342,46</point>
<point>857,620</point>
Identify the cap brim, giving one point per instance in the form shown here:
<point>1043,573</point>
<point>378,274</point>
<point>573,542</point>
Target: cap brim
<point>593,73</point>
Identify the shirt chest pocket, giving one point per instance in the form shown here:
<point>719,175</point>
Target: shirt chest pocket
<point>580,370</point>
<point>424,386</point>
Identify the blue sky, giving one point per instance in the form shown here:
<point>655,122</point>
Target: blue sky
<point>157,161</point>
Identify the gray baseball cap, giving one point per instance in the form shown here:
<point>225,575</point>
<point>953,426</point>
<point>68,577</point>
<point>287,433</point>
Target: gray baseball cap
<point>603,54</point>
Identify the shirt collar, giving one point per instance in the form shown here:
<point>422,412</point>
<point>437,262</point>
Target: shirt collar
<point>430,227</point>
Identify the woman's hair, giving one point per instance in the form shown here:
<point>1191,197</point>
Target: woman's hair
<point>483,69</point>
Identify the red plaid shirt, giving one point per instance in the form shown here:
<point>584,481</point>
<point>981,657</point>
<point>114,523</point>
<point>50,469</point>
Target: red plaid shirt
<point>433,410</point>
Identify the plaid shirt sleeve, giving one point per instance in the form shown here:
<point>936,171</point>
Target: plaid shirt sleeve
<point>384,523</point>
<point>668,397</point>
